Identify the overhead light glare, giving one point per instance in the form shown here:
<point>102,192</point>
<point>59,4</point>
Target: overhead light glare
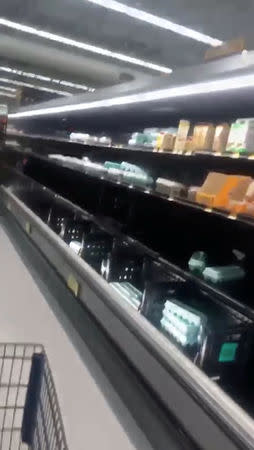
<point>83,46</point>
<point>157,21</point>
<point>180,91</point>
<point>46,79</point>
<point>9,89</point>
<point>32,86</point>
<point>6,94</point>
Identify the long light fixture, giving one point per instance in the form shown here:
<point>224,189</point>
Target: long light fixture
<point>156,21</point>
<point>82,45</point>
<point>32,86</point>
<point>6,94</point>
<point>46,79</point>
<point>6,88</point>
<point>208,87</point>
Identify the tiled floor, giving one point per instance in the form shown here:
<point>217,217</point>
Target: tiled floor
<point>26,317</point>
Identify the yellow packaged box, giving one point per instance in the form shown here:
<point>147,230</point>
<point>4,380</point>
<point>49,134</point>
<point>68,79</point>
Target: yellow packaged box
<point>182,135</point>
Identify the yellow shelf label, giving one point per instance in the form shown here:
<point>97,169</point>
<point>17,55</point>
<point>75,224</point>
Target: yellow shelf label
<point>251,157</point>
<point>235,156</point>
<point>73,285</point>
<point>217,154</point>
<point>232,217</point>
<point>208,210</point>
<point>188,153</point>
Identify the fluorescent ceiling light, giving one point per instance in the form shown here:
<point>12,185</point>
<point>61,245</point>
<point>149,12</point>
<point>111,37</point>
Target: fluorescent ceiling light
<point>180,91</point>
<point>46,79</point>
<point>156,21</point>
<point>82,45</point>
<point>6,94</point>
<point>32,86</point>
<point>9,89</point>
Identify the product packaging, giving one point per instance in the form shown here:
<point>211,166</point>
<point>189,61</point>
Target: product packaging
<point>241,136</point>
<point>214,193</point>
<point>203,136</point>
<point>170,188</point>
<point>221,137</point>
<point>184,130</point>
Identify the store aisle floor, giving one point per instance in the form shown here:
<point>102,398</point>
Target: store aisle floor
<point>26,317</point>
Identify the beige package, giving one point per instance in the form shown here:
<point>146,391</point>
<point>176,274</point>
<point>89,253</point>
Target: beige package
<point>192,193</point>
<point>221,137</point>
<point>237,196</point>
<point>168,142</point>
<point>170,188</point>
<point>203,136</point>
<point>250,193</point>
<point>182,135</point>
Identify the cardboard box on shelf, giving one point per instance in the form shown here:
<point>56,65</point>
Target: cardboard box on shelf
<point>159,141</point>
<point>250,192</point>
<point>221,137</point>
<point>170,188</point>
<point>214,193</point>
<point>237,196</point>
<point>184,130</point>
<point>168,142</point>
<point>241,136</point>
<point>203,136</point>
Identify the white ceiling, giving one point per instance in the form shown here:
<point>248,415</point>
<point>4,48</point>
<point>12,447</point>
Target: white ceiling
<point>85,22</point>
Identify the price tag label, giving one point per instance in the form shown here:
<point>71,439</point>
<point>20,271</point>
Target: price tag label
<point>180,152</point>
<point>217,154</point>
<point>170,199</point>
<point>188,153</point>
<point>208,210</point>
<point>251,157</point>
<point>73,285</point>
<point>235,156</point>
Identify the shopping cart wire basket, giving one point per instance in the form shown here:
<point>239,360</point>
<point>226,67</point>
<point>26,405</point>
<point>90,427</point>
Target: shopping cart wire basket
<point>30,417</point>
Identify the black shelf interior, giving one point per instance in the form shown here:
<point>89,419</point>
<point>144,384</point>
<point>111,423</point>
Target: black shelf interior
<point>174,229</point>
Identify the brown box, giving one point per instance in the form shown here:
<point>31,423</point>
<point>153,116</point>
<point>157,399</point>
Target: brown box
<point>227,48</point>
<point>182,135</point>
<point>221,137</point>
<point>170,188</point>
<point>250,192</point>
<point>203,136</point>
<point>168,142</point>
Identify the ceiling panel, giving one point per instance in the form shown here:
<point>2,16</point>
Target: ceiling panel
<point>86,22</point>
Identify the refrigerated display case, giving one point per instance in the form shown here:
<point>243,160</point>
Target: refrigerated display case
<point>201,328</point>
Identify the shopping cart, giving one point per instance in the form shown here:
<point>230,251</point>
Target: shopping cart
<point>29,412</point>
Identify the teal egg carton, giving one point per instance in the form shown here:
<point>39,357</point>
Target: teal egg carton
<point>112,165</point>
